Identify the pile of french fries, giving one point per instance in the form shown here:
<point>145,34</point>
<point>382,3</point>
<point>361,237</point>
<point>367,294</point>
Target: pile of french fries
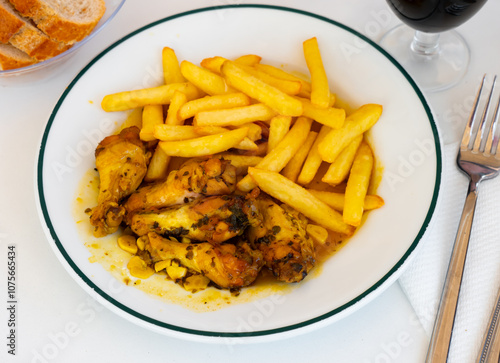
<point>278,129</point>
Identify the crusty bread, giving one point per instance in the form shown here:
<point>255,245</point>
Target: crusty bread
<point>30,39</point>
<point>36,44</point>
<point>11,57</point>
<point>10,23</point>
<point>35,30</point>
<point>67,21</point>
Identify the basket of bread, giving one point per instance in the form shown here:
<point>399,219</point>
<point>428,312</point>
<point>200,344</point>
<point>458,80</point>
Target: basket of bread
<point>36,33</point>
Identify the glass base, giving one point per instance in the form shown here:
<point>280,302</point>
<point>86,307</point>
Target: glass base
<point>432,72</point>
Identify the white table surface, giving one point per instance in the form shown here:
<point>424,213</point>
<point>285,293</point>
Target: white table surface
<point>58,322</point>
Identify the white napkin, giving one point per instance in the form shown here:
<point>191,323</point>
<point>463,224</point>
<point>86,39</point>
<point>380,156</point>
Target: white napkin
<point>424,278</point>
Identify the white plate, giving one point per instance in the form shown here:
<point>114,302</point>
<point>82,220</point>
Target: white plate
<point>405,140</point>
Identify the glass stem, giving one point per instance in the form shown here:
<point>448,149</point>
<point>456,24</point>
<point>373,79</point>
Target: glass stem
<point>425,44</point>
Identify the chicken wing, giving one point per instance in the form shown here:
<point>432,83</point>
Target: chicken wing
<point>195,178</point>
<point>213,219</point>
<point>228,265</point>
<point>282,238</point>
<point>121,161</point>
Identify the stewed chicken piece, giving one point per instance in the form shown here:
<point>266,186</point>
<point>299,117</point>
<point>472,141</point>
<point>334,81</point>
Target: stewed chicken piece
<point>282,238</point>
<point>212,219</point>
<point>121,161</point>
<point>228,265</point>
<point>195,178</point>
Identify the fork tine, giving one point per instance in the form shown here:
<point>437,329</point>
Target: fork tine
<point>468,128</point>
<point>482,129</point>
<point>492,143</point>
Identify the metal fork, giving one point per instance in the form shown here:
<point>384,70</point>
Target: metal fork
<point>476,158</point>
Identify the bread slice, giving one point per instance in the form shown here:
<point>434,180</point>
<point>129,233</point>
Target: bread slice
<point>10,23</point>
<point>36,44</point>
<point>29,38</point>
<point>11,57</point>
<point>67,21</point>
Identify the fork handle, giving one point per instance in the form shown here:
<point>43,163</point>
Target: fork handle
<point>490,351</point>
<point>443,326</point>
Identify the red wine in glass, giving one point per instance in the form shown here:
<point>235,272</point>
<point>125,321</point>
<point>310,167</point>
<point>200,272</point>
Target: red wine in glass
<point>435,16</point>
<point>433,53</point>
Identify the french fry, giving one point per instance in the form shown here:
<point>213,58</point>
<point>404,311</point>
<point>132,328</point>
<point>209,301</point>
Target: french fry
<point>152,115</point>
<point>158,166</point>
<point>209,130</point>
<point>186,132</point>
<point>277,159</point>
<point>317,233</point>
<point>337,200</point>
<point>278,128</point>
<point>357,185</point>
<point>355,124</point>
<point>234,116</point>
<point>171,69</point>
<point>305,89</point>
<point>286,191</point>
<point>261,91</point>
<point>205,145</point>
<point>248,59</point>
<point>340,168</point>
<point>247,144</point>
<point>210,103</point>
<point>161,95</point>
<point>209,82</point>
<point>133,119</point>
<point>254,131</point>
<point>176,132</point>
<point>178,100</point>
<point>313,160</point>
<point>287,86</point>
<point>320,90</point>
<point>213,63</point>
<point>292,169</point>
<point>330,116</point>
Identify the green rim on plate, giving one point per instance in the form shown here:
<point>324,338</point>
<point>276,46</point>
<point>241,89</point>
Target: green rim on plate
<point>160,324</point>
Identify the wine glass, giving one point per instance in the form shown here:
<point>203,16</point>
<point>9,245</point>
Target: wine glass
<point>433,54</point>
